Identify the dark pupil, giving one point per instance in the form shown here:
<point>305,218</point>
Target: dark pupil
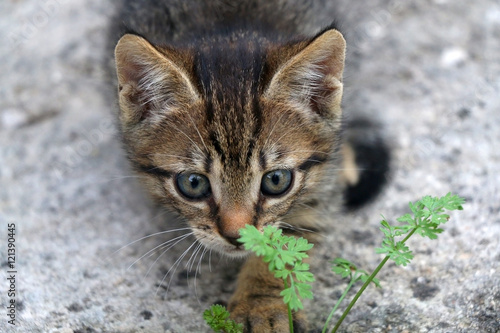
<point>276,182</point>
<point>195,181</point>
<point>276,178</point>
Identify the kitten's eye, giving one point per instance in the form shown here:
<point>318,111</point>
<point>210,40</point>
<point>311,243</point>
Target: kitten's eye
<point>276,182</point>
<point>193,186</point>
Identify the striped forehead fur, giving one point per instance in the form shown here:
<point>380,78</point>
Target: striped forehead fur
<point>229,78</point>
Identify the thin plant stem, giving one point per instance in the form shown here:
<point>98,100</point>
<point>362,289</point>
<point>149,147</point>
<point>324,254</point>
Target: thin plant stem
<point>290,318</point>
<point>349,286</point>
<point>358,294</point>
<point>365,285</point>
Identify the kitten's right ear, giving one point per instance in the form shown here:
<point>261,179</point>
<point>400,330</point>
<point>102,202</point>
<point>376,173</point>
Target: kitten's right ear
<point>312,79</point>
<point>149,81</point>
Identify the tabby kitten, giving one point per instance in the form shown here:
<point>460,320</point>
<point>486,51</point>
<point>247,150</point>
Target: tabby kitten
<point>232,113</point>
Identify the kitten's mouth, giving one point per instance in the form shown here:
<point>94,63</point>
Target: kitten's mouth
<point>237,248</point>
<point>236,251</point>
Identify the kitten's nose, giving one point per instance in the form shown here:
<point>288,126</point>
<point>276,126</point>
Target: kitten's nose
<point>231,222</point>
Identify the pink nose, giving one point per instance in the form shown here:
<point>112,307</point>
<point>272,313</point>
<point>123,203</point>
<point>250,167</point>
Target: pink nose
<point>231,222</point>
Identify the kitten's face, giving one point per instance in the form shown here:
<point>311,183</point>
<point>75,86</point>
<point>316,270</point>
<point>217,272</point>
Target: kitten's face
<point>223,149</point>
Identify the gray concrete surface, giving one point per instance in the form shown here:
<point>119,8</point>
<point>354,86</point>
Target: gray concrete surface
<point>428,69</point>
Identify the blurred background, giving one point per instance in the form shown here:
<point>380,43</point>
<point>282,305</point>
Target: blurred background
<point>428,70</point>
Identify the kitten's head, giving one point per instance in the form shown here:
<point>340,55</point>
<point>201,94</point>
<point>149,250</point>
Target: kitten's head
<point>234,131</point>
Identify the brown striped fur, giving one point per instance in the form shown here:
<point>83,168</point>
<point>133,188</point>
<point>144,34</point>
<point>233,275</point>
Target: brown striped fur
<point>232,105</point>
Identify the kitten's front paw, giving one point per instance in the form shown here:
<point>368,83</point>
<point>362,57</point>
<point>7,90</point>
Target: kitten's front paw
<point>265,314</point>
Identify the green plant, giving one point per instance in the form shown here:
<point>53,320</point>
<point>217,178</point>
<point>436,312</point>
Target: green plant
<point>285,254</point>
<point>428,215</point>
<point>217,317</point>
<point>346,269</point>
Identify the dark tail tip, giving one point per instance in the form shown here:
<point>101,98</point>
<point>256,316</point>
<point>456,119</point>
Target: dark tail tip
<point>372,158</point>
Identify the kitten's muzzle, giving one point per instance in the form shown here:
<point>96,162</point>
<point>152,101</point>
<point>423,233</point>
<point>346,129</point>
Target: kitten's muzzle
<point>231,221</point>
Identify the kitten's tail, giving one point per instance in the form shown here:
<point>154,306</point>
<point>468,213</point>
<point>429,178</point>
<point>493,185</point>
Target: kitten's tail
<point>366,161</point>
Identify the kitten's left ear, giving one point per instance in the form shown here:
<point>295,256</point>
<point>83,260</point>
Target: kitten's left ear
<point>312,78</point>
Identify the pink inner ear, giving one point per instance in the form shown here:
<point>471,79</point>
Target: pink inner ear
<point>134,56</point>
<point>320,98</point>
<point>130,72</point>
<point>314,83</point>
<point>150,81</point>
<point>313,77</point>
<point>324,89</point>
<point>130,52</point>
<point>145,107</point>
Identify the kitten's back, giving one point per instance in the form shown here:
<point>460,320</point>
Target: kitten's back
<point>170,21</point>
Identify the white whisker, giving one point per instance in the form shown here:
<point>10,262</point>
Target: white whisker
<point>149,236</point>
<point>197,131</point>
<point>198,270</point>
<point>175,156</point>
<point>192,259</point>
<point>159,247</point>
<point>174,266</point>
<point>291,226</point>
<point>198,266</point>
<point>325,214</point>
<point>162,246</point>
<point>311,208</point>
<point>281,137</point>
<point>210,261</point>
<point>192,141</point>
<point>272,129</point>
<point>308,151</point>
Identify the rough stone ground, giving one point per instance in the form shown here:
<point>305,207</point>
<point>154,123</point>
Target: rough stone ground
<point>428,69</point>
